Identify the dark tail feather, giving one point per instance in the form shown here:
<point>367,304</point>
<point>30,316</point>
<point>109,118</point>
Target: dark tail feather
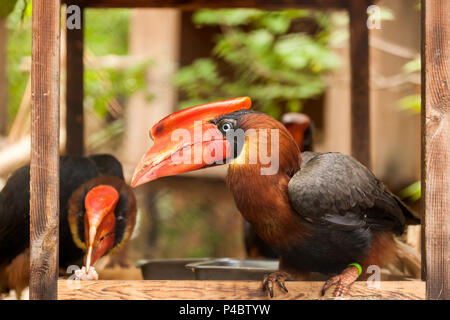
<point>411,217</point>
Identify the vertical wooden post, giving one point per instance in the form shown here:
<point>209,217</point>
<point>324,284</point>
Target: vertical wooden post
<point>359,60</point>
<point>75,86</point>
<point>435,145</point>
<point>3,77</point>
<point>44,169</point>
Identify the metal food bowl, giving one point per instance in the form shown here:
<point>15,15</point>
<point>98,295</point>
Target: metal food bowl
<point>168,269</point>
<point>232,269</point>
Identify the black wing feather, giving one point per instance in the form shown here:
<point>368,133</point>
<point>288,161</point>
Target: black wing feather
<point>332,188</point>
<point>107,165</point>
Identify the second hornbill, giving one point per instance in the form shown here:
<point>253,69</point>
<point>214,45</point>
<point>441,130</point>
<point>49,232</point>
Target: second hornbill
<point>97,215</point>
<point>322,212</point>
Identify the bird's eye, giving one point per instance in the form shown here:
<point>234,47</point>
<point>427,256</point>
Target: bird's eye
<point>226,126</point>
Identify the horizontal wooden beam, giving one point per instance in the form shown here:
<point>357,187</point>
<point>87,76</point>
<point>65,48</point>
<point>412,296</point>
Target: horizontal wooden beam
<point>198,4</point>
<point>231,290</point>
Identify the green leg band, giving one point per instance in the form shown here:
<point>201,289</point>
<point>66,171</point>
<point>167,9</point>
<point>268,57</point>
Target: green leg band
<point>354,264</point>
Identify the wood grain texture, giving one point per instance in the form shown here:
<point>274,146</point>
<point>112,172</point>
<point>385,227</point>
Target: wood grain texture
<point>436,145</point>
<point>232,290</point>
<point>197,4</point>
<point>359,64</point>
<point>44,169</point>
<point>75,90</point>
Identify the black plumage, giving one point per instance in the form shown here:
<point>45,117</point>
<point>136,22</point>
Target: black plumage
<point>15,204</point>
<point>341,203</point>
<point>107,165</point>
<point>321,193</point>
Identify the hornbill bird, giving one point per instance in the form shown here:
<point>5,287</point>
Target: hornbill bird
<point>301,128</point>
<point>322,212</point>
<point>97,215</point>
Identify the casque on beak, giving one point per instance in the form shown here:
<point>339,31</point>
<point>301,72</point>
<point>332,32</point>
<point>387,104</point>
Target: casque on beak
<point>100,222</point>
<point>186,140</point>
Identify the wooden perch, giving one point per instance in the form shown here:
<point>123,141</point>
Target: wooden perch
<point>234,290</point>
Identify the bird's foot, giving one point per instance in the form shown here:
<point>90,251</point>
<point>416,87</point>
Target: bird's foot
<point>270,279</point>
<point>343,281</point>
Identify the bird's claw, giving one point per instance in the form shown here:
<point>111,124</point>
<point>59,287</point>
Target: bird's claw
<point>274,277</point>
<point>343,281</point>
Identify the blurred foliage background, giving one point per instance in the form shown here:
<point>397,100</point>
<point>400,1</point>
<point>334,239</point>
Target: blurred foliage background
<point>19,46</point>
<point>263,54</point>
<point>103,86</point>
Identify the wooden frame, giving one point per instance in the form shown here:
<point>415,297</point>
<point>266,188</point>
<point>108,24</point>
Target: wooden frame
<point>231,290</point>
<point>45,137</point>
<point>44,165</point>
<point>435,146</point>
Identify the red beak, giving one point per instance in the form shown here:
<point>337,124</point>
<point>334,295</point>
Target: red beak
<point>186,140</point>
<point>100,222</point>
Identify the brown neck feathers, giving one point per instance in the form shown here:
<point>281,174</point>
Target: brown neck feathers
<point>260,183</point>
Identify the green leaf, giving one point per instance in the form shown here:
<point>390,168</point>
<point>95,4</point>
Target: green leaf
<point>294,105</point>
<point>412,192</point>
<point>276,22</point>
<point>260,39</point>
<point>6,7</point>
<point>411,102</point>
<point>106,31</point>
<point>292,51</point>
<point>412,66</point>
<point>231,17</point>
